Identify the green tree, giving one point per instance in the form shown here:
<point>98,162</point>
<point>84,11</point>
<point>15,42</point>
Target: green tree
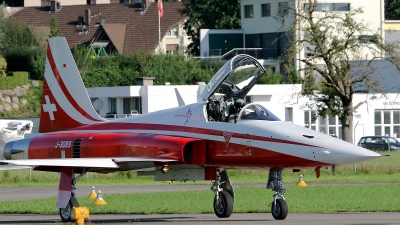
<point>341,54</point>
<point>23,47</point>
<point>3,66</point>
<point>123,69</point>
<point>209,14</point>
<point>16,34</point>
<point>53,28</point>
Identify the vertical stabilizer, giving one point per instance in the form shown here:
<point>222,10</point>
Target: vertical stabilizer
<point>65,101</point>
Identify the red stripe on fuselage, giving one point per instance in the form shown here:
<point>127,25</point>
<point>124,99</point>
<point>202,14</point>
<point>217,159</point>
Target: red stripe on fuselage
<point>174,128</point>
<point>64,88</point>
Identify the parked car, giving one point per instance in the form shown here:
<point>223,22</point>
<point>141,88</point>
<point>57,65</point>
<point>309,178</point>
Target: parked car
<point>379,143</point>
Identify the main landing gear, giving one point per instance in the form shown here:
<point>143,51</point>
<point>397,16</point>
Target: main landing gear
<point>224,194</point>
<point>65,213</point>
<point>279,208</point>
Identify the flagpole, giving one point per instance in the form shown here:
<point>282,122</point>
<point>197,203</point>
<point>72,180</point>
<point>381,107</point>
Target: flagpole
<point>159,30</point>
<point>159,27</point>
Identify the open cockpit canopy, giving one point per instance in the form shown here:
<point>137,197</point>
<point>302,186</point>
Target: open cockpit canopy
<point>235,78</point>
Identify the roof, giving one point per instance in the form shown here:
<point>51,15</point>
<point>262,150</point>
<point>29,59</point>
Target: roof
<point>127,27</point>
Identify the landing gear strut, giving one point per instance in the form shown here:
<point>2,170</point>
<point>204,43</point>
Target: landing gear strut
<point>279,208</point>
<point>65,213</point>
<point>224,195</point>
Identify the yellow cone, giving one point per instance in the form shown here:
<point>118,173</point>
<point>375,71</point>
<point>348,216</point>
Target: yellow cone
<point>301,182</point>
<point>99,200</point>
<point>92,194</point>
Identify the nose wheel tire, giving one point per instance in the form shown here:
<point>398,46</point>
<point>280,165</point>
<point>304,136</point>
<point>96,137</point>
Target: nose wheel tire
<point>280,209</point>
<point>65,213</point>
<point>223,206</point>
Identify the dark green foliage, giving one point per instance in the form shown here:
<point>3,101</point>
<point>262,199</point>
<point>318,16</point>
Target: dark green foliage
<point>271,78</point>
<point>209,14</point>
<point>20,47</point>
<point>392,9</point>
<point>293,77</point>
<point>53,28</point>
<point>16,79</point>
<point>122,70</point>
<point>16,34</point>
<point>26,59</point>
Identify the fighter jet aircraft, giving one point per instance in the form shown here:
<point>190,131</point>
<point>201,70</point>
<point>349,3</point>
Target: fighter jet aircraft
<point>199,141</point>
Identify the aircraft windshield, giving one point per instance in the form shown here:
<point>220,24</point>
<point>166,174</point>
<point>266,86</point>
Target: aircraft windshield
<point>256,112</point>
<point>235,78</point>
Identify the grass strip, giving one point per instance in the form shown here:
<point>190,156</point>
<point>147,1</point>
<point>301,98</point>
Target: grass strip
<point>323,199</point>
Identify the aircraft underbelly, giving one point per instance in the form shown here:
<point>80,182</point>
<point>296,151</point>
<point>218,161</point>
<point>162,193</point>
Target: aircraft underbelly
<point>242,156</point>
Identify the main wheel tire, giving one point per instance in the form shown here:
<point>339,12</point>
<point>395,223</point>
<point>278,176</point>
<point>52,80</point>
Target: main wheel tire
<point>279,210</point>
<point>65,213</point>
<point>223,207</point>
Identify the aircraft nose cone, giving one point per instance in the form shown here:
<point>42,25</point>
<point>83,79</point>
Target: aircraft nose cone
<point>347,153</point>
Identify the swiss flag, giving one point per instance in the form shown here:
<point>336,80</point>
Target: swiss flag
<point>160,8</point>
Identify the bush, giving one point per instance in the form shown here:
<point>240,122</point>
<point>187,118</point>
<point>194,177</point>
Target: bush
<point>26,59</point>
<point>122,70</point>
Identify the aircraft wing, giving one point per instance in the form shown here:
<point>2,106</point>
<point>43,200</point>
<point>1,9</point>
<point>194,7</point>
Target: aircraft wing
<point>77,162</point>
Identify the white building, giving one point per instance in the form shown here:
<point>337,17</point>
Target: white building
<point>377,116</point>
<point>263,36</point>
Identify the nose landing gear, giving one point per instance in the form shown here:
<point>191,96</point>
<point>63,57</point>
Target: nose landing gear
<point>279,208</point>
<point>224,195</point>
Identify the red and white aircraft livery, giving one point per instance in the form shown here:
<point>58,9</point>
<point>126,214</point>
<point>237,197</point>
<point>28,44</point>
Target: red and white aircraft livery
<point>191,142</point>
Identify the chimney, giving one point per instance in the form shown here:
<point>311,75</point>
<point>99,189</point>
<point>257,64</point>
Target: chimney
<point>53,6</point>
<point>145,4</point>
<point>144,81</point>
<point>88,16</point>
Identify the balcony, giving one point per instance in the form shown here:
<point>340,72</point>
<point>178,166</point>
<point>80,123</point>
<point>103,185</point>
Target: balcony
<point>258,53</point>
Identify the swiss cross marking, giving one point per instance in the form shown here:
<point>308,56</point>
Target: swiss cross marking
<point>227,137</point>
<point>49,107</point>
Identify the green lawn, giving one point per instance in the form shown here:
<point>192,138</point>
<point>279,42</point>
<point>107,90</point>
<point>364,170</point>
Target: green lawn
<point>326,198</point>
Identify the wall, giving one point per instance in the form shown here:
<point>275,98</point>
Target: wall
<point>205,39</point>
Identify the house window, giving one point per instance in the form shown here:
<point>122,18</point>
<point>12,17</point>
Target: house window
<point>283,8</point>
<point>266,9</point>
<point>131,105</point>
<point>248,11</point>
<point>113,105</point>
<point>289,114</point>
<point>310,119</point>
<point>365,39</point>
<point>328,7</point>
<point>249,99</point>
<point>173,32</point>
<point>331,126</point>
<point>387,122</point>
<point>172,49</point>
<point>45,3</point>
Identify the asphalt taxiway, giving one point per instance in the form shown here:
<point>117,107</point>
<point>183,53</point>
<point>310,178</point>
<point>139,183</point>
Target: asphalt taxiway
<point>27,193</point>
<point>211,219</point>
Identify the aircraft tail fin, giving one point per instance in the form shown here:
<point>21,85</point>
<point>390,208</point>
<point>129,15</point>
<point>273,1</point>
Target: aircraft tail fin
<point>65,101</point>
<point>179,98</point>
